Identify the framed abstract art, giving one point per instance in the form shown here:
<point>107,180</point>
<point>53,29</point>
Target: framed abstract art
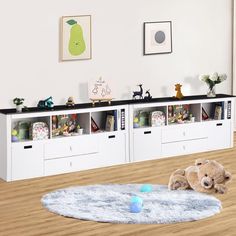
<point>157,37</point>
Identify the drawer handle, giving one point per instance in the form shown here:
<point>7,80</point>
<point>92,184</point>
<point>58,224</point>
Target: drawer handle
<point>28,147</point>
<point>111,136</point>
<point>147,132</point>
<point>184,133</point>
<point>184,147</point>
<point>219,124</point>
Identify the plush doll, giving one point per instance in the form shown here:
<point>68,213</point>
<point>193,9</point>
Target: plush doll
<point>205,176</point>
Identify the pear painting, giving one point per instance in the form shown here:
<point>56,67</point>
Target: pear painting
<point>76,44</point>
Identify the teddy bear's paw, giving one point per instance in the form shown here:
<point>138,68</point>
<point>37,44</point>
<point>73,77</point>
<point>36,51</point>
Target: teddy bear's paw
<point>220,188</point>
<point>178,185</point>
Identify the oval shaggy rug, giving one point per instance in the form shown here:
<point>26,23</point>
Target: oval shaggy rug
<point>111,203</point>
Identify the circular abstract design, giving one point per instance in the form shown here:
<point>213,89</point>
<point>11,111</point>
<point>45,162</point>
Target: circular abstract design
<point>160,37</point>
<point>111,203</point>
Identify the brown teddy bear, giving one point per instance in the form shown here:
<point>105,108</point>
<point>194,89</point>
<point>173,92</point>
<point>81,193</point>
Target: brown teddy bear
<point>206,177</point>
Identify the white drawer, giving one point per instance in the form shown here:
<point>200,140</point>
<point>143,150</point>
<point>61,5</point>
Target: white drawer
<point>147,143</point>
<point>71,146</point>
<point>184,147</point>
<point>71,164</point>
<point>176,133</point>
<point>27,160</point>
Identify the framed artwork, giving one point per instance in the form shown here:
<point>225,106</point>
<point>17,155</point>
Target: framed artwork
<point>100,90</point>
<point>157,37</point>
<point>76,38</point>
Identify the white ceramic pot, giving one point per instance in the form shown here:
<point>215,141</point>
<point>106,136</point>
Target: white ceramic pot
<point>19,108</point>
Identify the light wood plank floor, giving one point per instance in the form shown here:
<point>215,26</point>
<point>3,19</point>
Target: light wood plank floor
<point>21,213</point>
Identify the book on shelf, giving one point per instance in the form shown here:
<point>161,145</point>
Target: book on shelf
<point>94,126</point>
<point>205,116</point>
<point>218,112</point>
<point>110,123</point>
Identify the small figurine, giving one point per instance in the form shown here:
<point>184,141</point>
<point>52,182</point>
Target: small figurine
<point>179,94</point>
<point>148,97</point>
<point>14,135</point>
<point>19,104</point>
<point>47,103</point>
<point>138,93</point>
<point>70,102</point>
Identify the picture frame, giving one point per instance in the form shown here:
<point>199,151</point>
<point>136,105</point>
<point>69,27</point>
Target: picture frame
<point>157,37</point>
<point>75,38</point>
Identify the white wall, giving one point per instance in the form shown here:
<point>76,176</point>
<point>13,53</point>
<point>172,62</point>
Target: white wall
<point>29,47</point>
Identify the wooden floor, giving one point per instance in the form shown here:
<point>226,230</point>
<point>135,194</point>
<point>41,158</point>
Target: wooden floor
<point>21,213</point>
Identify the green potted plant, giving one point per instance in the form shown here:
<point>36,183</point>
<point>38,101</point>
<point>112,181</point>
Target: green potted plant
<point>19,104</point>
<point>79,130</point>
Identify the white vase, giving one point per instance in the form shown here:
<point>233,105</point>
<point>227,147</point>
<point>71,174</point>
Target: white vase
<point>19,108</point>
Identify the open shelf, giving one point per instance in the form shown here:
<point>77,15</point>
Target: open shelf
<point>212,111</point>
<point>104,121</point>
<point>184,113</point>
<point>70,125</point>
<point>149,117</point>
<point>22,130</point>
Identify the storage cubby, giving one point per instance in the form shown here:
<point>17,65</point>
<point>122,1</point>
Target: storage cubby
<point>212,111</point>
<point>22,128</point>
<point>149,117</point>
<point>70,124</point>
<point>184,113</point>
<point>104,121</point>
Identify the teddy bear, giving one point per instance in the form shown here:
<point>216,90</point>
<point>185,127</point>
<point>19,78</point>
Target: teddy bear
<point>205,176</point>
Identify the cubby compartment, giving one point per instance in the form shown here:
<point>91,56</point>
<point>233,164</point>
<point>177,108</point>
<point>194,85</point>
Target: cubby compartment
<point>184,113</point>
<point>70,124</point>
<point>104,121</point>
<point>213,111</point>
<point>149,117</point>
<point>32,128</point>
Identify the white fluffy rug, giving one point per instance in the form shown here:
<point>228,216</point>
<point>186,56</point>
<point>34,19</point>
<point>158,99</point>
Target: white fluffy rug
<point>111,203</point>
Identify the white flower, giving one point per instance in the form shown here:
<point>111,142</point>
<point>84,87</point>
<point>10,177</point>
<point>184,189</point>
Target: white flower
<point>214,76</point>
<point>203,77</point>
<point>222,77</point>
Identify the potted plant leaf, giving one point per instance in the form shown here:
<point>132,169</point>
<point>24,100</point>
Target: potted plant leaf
<point>19,104</point>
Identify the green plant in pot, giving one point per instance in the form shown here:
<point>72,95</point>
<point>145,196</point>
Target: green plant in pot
<point>79,130</point>
<point>19,102</point>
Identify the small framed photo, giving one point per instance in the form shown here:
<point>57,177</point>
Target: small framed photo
<point>157,37</point>
<point>75,38</point>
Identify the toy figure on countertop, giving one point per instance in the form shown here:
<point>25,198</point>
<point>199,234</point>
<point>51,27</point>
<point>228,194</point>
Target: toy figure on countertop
<point>47,103</point>
<point>179,94</point>
<point>148,97</point>
<point>138,93</point>
<point>70,102</point>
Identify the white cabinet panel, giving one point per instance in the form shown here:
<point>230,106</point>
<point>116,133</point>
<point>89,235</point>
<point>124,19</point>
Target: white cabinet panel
<point>218,134</point>
<point>184,147</point>
<point>183,132</point>
<point>112,147</point>
<point>147,144</point>
<point>27,160</point>
<point>71,146</point>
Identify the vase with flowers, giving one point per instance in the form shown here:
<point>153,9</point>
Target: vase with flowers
<point>211,81</point>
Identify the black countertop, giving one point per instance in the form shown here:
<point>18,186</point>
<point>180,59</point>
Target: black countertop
<point>113,103</point>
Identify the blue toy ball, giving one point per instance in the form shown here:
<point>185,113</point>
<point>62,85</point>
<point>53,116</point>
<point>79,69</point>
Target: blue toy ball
<point>136,199</point>
<point>146,188</point>
<point>135,207</point>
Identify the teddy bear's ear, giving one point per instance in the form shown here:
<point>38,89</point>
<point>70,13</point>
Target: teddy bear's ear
<point>200,162</point>
<point>228,177</point>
